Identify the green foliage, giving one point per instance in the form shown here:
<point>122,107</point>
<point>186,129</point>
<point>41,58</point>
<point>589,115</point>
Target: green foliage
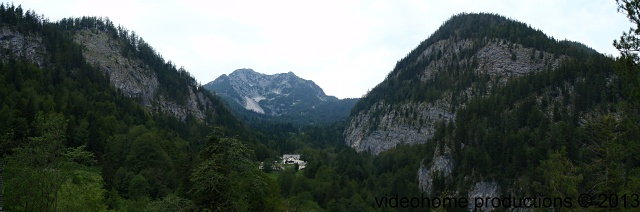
<point>171,203</point>
<point>605,155</point>
<point>41,174</point>
<point>83,191</point>
<point>174,82</point>
<point>337,178</point>
<point>559,176</point>
<point>227,178</point>
<point>63,116</point>
<point>303,202</point>
<point>286,179</point>
<point>555,133</point>
<point>402,84</point>
<point>67,136</point>
<point>628,44</point>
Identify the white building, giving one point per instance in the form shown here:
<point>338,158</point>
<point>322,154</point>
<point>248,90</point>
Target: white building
<point>290,159</point>
<point>293,159</point>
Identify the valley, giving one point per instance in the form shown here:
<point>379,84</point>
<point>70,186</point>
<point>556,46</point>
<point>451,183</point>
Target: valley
<point>486,108</point>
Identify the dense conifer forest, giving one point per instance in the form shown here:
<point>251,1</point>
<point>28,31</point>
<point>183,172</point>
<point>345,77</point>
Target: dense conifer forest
<point>70,141</point>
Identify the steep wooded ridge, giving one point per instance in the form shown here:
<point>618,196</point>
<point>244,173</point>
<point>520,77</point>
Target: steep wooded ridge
<point>502,109</point>
<point>139,72</point>
<point>468,56</point>
<point>132,66</point>
<point>279,97</point>
<point>90,109</point>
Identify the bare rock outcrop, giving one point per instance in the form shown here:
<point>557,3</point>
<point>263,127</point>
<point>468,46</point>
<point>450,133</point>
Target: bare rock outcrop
<point>384,125</point>
<point>17,44</point>
<point>136,79</point>
<point>441,166</point>
<point>132,77</point>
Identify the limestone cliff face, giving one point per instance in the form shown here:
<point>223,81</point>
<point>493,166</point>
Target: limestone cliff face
<point>17,44</point>
<point>384,125</point>
<point>128,74</point>
<point>441,166</point>
<point>509,87</point>
<point>132,77</point>
<point>136,79</point>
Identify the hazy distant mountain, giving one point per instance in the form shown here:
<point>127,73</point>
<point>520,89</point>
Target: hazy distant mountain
<point>279,97</point>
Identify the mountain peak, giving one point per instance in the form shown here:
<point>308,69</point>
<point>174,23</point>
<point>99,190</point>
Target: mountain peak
<point>277,95</point>
<point>243,72</point>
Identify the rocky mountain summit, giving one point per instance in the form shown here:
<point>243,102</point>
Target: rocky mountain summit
<point>278,93</point>
<point>284,97</point>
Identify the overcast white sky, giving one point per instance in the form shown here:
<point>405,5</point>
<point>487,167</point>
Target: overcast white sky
<point>346,47</point>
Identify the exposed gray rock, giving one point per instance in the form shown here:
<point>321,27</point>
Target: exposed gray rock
<point>483,190</point>
<point>273,95</point>
<point>282,97</point>
<point>440,165</point>
<point>383,126</point>
<point>29,47</point>
<point>366,132</point>
<point>136,79</point>
<point>132,77</point>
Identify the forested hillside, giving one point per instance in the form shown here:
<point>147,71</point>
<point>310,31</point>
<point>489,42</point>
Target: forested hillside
<point>71,141</point>
<point>564,128</point>
<point>469,56</point>
<point>92,118</point>
<point>558,123</point>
